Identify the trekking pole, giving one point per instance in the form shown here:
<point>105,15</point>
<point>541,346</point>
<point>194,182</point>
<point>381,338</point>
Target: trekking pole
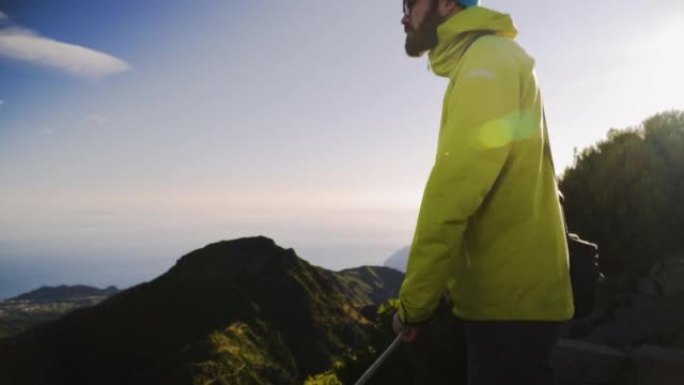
<point>371,370</point>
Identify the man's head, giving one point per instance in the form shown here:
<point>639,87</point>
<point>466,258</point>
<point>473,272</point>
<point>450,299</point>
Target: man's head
<point>421,19</point>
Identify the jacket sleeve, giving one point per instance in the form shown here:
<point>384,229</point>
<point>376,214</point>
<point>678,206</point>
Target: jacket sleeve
<point>480,119</point>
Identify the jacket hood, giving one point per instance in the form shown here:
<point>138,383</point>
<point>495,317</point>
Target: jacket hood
<point>456,33</point>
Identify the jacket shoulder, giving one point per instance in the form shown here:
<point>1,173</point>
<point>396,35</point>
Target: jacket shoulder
<point>499,52</point>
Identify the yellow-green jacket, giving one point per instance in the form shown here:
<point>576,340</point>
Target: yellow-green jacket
<point>490,228</point>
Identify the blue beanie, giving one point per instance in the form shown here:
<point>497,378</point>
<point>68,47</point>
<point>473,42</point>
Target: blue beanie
<point>469,3</point>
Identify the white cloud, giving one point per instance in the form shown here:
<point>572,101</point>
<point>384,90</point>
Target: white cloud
<point>25,45</point>
<point>2,102</point>
<point>96,119</point>
<point>3,16</point>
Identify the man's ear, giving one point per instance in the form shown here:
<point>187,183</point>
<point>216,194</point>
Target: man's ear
<point>448,7</point>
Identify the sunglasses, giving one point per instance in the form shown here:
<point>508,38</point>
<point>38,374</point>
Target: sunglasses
<point>408,4</point>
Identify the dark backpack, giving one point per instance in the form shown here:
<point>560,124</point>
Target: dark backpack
<point>585,274</point>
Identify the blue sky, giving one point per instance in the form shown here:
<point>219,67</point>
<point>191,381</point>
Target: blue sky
<point>133,132</point>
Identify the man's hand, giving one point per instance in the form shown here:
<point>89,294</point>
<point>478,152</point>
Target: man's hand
<point>409,331</point>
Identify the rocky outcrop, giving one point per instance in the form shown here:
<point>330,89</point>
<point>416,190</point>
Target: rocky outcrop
<point>635,336</point>
<point>579,363</point>
<point>651,313</point>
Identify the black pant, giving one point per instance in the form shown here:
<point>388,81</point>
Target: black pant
<point>510,352</point>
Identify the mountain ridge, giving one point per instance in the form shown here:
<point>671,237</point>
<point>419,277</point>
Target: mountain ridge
<point>399,259</point>
<point>195,322</point>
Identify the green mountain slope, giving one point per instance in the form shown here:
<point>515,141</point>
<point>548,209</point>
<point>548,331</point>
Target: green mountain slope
<point>238,312</point>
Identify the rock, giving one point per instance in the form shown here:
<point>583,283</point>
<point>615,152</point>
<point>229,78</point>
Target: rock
<point>654,323</point>
<point>652,312</point>
<point>668,274</point>
<point>578,362</point>
<point>648,287</point>
<point>658,366</point>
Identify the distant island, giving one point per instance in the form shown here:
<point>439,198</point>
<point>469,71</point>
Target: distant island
<point>46,304</point>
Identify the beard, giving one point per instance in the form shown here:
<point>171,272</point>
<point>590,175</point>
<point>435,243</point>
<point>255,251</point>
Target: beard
<point>424,38</point>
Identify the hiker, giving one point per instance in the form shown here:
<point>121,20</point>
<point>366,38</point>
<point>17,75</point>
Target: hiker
<point>490,229</point>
